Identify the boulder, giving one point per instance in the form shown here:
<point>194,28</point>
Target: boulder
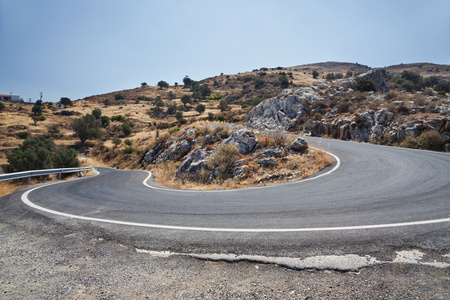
<point>268,162</point>
<point>271,152</point>
<point>299,145</point>
<point>377,77</point>
<point>192,163</point>
<point>244,139</point>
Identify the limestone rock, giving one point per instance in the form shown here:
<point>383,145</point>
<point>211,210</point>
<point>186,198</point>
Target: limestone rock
<point>244,139</point>
<point>377,77</point>
<point>299,145</point>
<point>268,162</point>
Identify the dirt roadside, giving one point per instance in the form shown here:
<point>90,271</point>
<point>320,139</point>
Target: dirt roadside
<point>57,262</point>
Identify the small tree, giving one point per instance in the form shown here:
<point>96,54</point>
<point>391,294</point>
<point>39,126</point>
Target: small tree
<point>159,103</point>
<point>179,115</point>
<point>171,109</point>
<point>97,113</point>
<point>2,106</point>
<point>223,105</point>
<point>186,99</point>
<point>200,108</point>
<point>38,119</point>
<point>163,84</point>
<point>106,102</point>
<point>116,142</point>
<point>176,84</point>
<point>37,109</point>
<point>172,95</point>
<point>53,129</point>
<point>66,101</point>
<point>119,97</point>
<point>128,142</point>
<point>87,127</point>
<point>187,81</point>
<point>284,82</point>
<point>144,84</point>
<point>105,121</point>
<point>365,84</point>
<point>315,74</point>
<point>126,128</point>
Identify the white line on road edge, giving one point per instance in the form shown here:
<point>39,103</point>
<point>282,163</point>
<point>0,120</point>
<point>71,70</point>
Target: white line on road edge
<point>338,164</point>
<point>25,200</point>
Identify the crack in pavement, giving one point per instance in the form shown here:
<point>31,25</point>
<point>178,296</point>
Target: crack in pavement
<point>343,263</point>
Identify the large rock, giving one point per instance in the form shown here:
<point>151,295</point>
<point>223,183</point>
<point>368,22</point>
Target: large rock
<point>244,139</point>
<point>299,145</point>
<point>192,163</point>
<point>377,77</point>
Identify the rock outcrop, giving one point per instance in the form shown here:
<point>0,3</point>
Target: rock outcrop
<point>377,77</point>
<point>244,139</point>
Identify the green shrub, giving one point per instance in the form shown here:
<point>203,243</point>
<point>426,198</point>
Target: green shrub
<point>126,128</point>
<point>223,105</point>
<point>128,142</point>
<point>97,113</point>
<point>118,118</point>
<point>116,142</point>
<point>53,129</point>
<point>106,102</point>
<point>427,140</point>
<point>66,113</point>
<point>119,97</point>
<point>222,131</point>
<point>105,121</point>
<point>40,153</point>
<point>365,84</point>
<point>2,106</point>
<point>130,150</point>
<point>87,127</point>
<point>66,101</point>
<point>23,134</point>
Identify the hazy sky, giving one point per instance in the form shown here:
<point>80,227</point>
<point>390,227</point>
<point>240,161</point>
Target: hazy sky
<point>79,48</point>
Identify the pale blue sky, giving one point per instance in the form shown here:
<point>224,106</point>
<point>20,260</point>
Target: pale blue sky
<point>79,48</point>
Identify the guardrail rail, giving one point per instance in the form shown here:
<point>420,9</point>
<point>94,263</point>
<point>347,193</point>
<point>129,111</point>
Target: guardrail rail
<point>29,174</point>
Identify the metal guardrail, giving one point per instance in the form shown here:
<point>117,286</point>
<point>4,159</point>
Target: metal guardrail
<point>29,174</point>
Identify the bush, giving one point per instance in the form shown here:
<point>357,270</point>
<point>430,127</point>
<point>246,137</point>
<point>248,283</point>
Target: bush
<point>38,119</point>
<point>116,142</point>
<point>427,140</point>
<point>118,118</point>
<point>365,84</point>
<point>105,121</point>
<point>220,118</point>
<point>315,74</point>
<point>343,107</point>
<point>97,113</point>
<point>259,83</point>
<point>106,102</point>
<point>128,142</point>
<point>87,127</point>
<point>53,129</point>
<point>119,97</point>
<point>222,131</point>
<point>23,135</point>
<point>66,113</point>
<point>40,153</point>
<point>284,82</point>
<point>66,101</point>
<point>223,105</point>
<point>2,106</point>
<point>222,158</point>
<point>130,150</point>
<point>37,109</point>
<point>171,109</point>
<point>200,108</point>
<point>126,128</point>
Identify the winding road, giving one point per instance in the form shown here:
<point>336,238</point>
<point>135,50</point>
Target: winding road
<point>371,197</point>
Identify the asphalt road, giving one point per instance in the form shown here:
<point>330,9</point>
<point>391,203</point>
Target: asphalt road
<point>378,199</point>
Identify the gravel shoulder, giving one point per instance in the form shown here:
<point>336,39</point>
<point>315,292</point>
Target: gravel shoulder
<point>41,258</point>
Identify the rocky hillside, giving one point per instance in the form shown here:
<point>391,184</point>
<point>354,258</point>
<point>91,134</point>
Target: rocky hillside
<point>337,109</point>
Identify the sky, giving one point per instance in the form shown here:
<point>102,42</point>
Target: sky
<point>79,48</point>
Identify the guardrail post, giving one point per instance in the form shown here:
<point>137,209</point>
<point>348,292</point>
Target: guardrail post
<point>80,174</point>
<point>59,175</point>
<point>29,180</point>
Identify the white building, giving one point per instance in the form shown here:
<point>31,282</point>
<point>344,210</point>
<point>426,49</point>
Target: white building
<point>11,98</point>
